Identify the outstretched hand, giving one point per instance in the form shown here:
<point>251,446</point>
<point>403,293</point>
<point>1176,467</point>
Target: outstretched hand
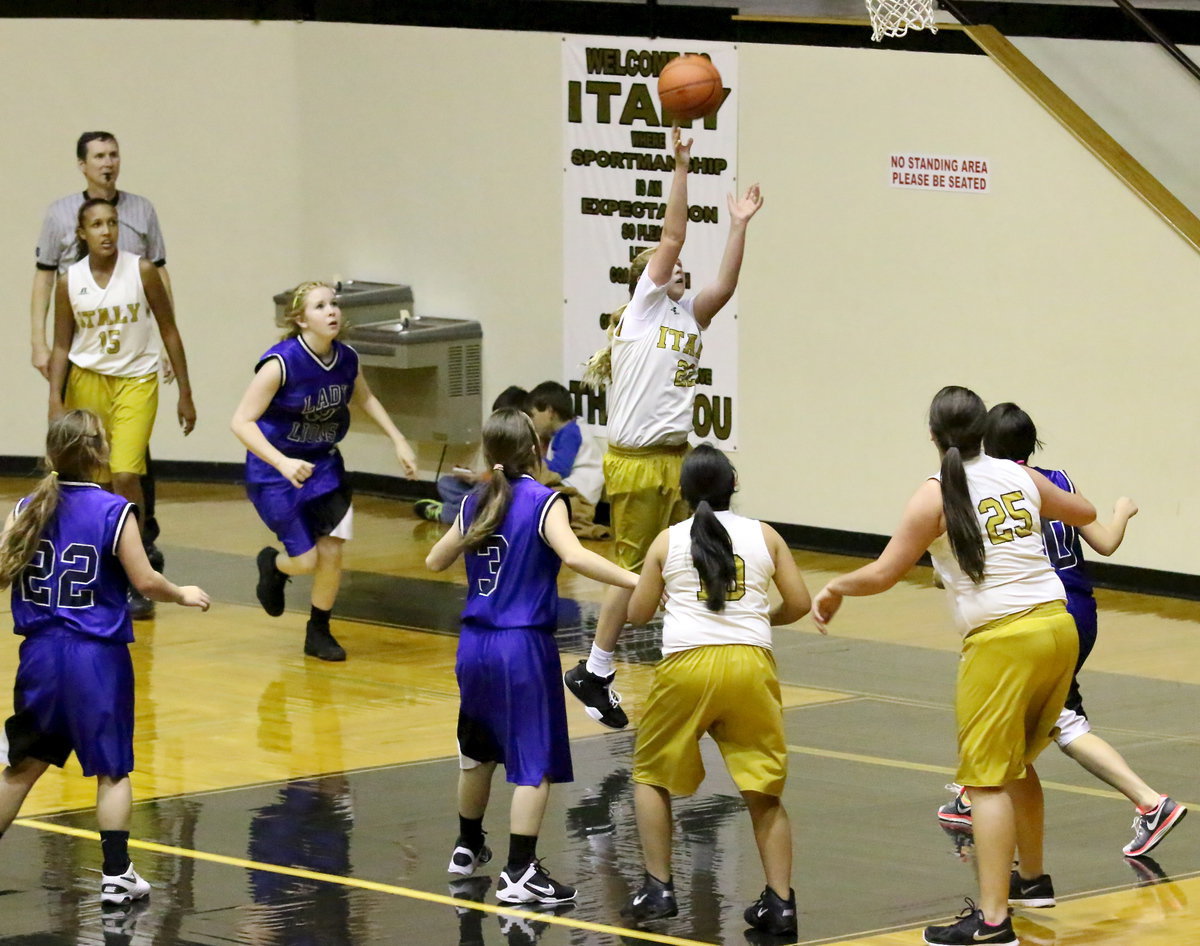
<point>683,150</point>
<point>742,210</point>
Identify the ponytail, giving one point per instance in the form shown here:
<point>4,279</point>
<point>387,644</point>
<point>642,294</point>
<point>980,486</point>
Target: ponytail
<point>712,554</point>
<point>962,526</point>
<point>494,500</point>
<point>597,370</point>
<point>511,445</point>
<point>20,542</point>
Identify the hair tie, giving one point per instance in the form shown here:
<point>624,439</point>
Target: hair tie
<point>498,467</point>
<point>53,473</point>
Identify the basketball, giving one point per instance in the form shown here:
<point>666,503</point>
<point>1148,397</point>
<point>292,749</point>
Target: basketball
<point>690,87</point>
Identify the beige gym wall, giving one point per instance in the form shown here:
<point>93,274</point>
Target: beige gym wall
<point>280,151</point>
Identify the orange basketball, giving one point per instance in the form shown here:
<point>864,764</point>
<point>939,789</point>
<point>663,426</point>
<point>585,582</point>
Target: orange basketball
<point>690,87</point>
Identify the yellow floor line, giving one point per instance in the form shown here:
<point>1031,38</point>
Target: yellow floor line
<point>371,885</point>
<point>947,770</point>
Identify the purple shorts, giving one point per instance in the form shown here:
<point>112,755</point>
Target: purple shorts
<point>512,707</point>
<point>299,516</point>
<point>73,694</point>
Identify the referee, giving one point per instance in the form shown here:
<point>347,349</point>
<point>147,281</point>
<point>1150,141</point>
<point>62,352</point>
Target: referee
<point>99,158</point>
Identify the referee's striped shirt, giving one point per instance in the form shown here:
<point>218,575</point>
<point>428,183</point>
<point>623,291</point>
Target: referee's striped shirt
<point>58,246</point>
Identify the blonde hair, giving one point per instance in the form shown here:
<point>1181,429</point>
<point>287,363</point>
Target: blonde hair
<point>295,309</point>
<point>75,450</point>
<point>597,370</point>
<point>510,444</point>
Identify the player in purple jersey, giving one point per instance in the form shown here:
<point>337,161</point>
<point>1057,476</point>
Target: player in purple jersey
<point>291,418</point>
<point>513,533</point>
<point>70,550</point>
<point>1011,435</point>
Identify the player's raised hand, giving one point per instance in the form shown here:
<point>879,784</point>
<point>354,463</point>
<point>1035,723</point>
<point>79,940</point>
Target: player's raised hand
<point>742,210</point>
<point>193,596</point>
<point>295,471</point>
<point>683,150</point>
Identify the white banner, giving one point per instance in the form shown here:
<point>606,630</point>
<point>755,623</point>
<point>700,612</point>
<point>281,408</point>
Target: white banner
<point>617,159</point>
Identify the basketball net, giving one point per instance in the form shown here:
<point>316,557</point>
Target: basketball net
<point>897,17</point>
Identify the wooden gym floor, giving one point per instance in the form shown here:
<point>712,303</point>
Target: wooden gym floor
<point>281,800</point>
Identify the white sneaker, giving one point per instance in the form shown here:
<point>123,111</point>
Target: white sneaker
<point>123,888</point>
<point>464,861</point>
<point>533,885</point>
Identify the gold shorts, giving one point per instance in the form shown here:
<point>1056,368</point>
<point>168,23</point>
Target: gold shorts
<point>643,496</point>
<point>1012,684</point>
<point>127,407</point>
<point>729,691</point>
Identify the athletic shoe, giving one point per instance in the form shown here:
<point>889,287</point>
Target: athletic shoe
<point>319,642</point>
<point>972,930</point>
<point>271,582</point>
<point>123,888</point>
<point>141,608</point>
<point>957,812</point>
<point>465,861</point>
<point>520,931</point>
<point>532,885</point>
<point>770,913</point>
<point>599,699</point>
<point>1149,829</point>
<point>428,509</point>
<point>655,901</point>
<point>157,560</point>
<point>1038,892</point>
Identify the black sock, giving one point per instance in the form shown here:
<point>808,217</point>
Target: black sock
<point>115,845</point>
<point>522,850</point>
<point>319,617</point>
<point>471,832</point>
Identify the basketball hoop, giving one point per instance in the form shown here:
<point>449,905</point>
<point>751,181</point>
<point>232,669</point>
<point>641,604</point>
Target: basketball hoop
<point>897,17</point>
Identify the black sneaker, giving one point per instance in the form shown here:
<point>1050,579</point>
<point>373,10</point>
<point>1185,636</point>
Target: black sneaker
<point>319,642</point>
<point>1153,826</point>
<point>972,930</point>
<point>1038,892</point>
<point>770,913</point>
<point>599,699</point>
<point>157,559</point>
<point>465,861</point>
<point>655,901</point>
<point>531,884</point>
<point>270,582</point>
<point>141,608</point>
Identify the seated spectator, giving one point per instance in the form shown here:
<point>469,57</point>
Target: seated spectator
<point>573,462</point>
<point>457,484</point>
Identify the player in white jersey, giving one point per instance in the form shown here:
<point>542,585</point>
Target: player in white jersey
<point>717,676</point>
<point>649,368</point>
<point>980,519</point>
<point>105,356</point>
<point>99,159</point>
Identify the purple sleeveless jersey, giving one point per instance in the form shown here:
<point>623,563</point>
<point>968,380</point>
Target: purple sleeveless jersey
<point>512,579</point>
<point>1062,543</point>
<point>310,413</point>
<point>75,580</point>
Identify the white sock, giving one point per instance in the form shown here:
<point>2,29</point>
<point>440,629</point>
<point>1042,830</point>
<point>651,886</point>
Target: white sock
<point>600,662</point>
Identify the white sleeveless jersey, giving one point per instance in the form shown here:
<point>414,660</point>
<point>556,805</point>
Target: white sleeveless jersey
<point>655,354</point>
<point>746,616</point>
<point>1017,575</point>
<point>114,327</point>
